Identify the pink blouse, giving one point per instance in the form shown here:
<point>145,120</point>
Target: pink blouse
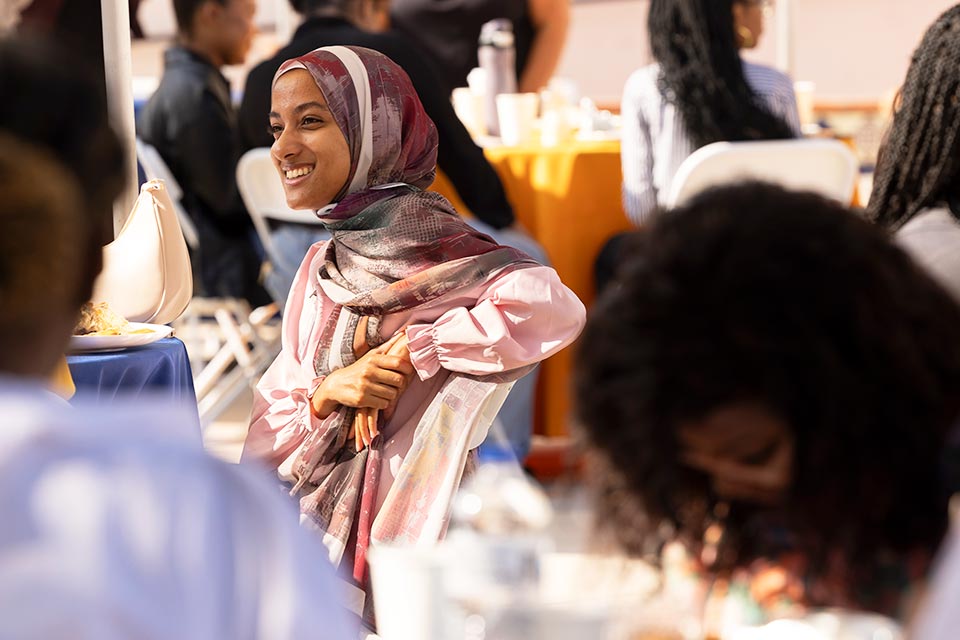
<point>517,319</point>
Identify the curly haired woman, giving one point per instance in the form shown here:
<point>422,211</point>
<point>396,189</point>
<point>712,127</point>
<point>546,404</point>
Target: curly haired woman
<point>781,400</point>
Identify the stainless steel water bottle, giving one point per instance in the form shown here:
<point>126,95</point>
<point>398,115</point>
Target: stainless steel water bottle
<point>497,57</point>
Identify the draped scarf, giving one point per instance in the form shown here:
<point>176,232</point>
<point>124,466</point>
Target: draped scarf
<point>394,248</point>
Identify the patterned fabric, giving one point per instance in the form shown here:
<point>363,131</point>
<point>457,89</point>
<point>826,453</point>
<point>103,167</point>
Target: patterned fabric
<point>393,248</point>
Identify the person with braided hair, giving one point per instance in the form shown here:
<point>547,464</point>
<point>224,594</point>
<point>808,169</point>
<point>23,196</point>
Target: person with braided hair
<point>698,91</point>
<point>916,187</point>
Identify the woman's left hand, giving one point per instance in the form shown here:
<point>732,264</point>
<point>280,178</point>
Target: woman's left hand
<point>365,422</point>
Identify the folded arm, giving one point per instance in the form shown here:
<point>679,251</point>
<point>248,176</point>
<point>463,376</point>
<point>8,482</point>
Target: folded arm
<point>521,318</point>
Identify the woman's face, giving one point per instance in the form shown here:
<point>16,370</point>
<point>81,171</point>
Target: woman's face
<point>309,149</point>
<point>748,21</point>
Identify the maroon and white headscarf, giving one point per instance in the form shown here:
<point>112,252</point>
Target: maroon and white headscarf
<point>394,247</point>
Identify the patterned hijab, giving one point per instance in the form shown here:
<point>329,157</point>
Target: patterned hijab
<point>394,247</point>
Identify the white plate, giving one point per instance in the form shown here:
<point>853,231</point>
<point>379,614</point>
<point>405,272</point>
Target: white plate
<point>146,333</point>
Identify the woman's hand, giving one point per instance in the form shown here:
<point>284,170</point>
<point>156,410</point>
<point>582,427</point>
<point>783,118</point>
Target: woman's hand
<point>373,381</point>
<point>365,423</point>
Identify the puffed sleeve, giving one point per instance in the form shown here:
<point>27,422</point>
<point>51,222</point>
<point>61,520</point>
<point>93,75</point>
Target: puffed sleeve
<point>281,417</point>
<point>521,318</point>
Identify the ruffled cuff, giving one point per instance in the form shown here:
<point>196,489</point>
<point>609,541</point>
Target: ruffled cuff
<point>423,350</point>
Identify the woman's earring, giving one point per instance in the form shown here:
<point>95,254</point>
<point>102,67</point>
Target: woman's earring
<point>747,40</point>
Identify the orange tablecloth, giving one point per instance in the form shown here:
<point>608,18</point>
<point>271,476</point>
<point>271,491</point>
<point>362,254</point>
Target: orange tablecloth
<point>568,198</point>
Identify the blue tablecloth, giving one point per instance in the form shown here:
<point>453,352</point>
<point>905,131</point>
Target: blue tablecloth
<point>158,371</point>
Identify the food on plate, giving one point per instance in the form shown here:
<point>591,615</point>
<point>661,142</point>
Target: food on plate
<point>98,319</point>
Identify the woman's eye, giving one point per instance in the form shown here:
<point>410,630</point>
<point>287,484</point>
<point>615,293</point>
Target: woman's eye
<point>275,130</point>
<point>311,120</point>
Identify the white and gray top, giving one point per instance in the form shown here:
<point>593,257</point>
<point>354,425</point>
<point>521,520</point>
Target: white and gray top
<point>655,141</point>
<point>932,238</point>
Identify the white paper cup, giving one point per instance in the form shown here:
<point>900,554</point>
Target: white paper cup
<point>517,113</point>
<point>407,592</point>
<point>804,91</point>
<point>469,108</point>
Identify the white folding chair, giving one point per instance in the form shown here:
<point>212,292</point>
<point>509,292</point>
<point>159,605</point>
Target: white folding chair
<point>263,196</point>
<point>826,167</point>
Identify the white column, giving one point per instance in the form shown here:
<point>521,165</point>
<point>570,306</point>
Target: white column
<point>784,16</point>
<point>119,74</point>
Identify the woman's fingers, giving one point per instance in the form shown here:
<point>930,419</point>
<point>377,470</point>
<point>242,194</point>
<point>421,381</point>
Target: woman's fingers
<point>386,346</point>
<point>389,378</point>
<point>393,363</point>
<point>360,425</point>
<point>365,427</point>
<point>357,436</point>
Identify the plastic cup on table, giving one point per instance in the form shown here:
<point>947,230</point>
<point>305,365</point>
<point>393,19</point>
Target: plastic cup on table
<point>517,113</point>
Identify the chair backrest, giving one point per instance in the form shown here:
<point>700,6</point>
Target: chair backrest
<point>154,168</point>
<point>826,167</point>
<point>263,195</point>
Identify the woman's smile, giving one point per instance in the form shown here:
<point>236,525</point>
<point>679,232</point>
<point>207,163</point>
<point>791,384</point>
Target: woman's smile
<point>297,174</point>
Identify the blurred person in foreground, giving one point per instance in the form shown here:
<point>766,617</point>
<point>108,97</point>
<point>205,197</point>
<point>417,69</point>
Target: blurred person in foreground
<point>770,383</point>
<point>449,32</point>
<point>113,524</point>
<point>364,23</point>
<point>192,122</point>
<point>916,186</point>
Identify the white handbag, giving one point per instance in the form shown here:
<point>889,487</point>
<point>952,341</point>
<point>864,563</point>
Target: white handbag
<point>146,273</point>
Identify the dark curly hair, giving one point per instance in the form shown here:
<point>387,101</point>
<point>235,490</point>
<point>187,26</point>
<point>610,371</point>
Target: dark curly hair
<point>701,72</point>
<point>755,295</point>
<point>919,164</point>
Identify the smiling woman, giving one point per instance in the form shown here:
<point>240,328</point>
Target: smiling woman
<point>405,331</point>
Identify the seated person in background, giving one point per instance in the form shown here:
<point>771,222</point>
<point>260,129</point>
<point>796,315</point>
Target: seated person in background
<point>354,22</point>
<point>698,91</point>
<point>770,382</point>
<point>449,32</point>
<point>192,123</point>
<point>113,525</point>
<point>916,187</point>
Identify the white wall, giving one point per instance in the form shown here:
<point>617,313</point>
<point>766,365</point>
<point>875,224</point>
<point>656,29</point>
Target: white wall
<point>854,50</point>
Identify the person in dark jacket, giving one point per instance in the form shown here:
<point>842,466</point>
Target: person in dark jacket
<point>192,122</point>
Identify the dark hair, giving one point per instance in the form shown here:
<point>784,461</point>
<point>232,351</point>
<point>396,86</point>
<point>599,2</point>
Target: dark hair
<point>39,230</point>
<point>334,7</point>
<point>310,6</point>
<point>919,164</point>
<point>758,296</point>
<point>702,73</point>
<point>53,102</point>
<point>185,10</point>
